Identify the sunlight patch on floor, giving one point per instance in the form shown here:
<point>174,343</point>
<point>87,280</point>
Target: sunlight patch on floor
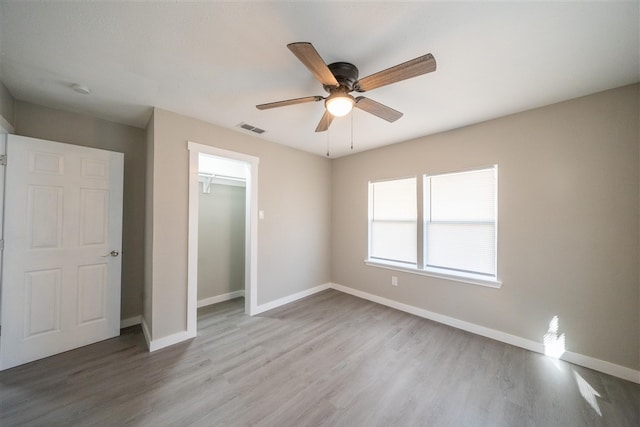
<point>588,392</point>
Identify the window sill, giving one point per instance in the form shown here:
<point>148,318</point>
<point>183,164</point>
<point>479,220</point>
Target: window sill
<point>464,278</point>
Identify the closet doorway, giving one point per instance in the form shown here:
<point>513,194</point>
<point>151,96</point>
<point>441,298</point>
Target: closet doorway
<point>223,216</point>
<point>221,229</point>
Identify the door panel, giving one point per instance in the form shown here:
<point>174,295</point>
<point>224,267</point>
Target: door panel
<point>42,302</point>
<point>94,215</point>
<point>46,163</point>
<point>63,219</point>
<point>44,210</point>
<point>92,293</point>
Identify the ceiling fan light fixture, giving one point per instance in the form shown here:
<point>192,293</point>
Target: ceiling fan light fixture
<point>339,104</point>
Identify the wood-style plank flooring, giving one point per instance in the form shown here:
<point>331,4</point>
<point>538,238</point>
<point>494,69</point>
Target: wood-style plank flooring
<point>327,360</point>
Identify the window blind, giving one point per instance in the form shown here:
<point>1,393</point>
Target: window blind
<point>461,221</point>
<point>393,220</point>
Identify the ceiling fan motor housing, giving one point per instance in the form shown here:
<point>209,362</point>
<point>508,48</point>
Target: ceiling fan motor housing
<point>345,73</point>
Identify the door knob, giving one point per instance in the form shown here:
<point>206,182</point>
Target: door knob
<point>112,253</point>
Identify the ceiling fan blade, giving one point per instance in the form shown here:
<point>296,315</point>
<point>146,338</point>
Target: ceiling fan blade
<point>310,57</point>
<point>325,121</point>
<point>289,102</point>
<point>377,109</point>
<point>415,67</point>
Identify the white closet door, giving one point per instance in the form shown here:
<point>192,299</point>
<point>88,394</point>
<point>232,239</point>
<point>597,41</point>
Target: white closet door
<point>63,238</point>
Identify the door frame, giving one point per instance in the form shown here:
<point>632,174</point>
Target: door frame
<point>5,130</point>
<point>251,230</point>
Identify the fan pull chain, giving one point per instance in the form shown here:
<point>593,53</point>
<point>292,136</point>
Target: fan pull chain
<point>352,130</point>
<point>327,142</point>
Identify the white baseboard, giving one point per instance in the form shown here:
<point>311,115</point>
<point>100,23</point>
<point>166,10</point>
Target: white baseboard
<point>125,323</point>
<point>163,342</point>
<point>602,366</point>
<point>220,298</point>
<point>154,345</point>
<point>146,332</point>
<point>170,340</point>
<point>575,358</point>
<point>290,298</point>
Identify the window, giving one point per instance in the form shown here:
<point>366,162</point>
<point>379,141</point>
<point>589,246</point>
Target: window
<point>393,221</point>
<point>458,225</point>
<point>460,222</point>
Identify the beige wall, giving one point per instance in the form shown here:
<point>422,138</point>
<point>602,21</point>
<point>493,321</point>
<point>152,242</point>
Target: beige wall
<point>568,237</point>
<point>293,192</point>
<point>221,235</point>
<point>569,189</point>
<point>6,104</point>
<point>45,123</point>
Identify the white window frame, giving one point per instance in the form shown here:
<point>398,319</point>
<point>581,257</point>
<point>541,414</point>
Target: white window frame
<point>419,268</point>
<point>371,221</point>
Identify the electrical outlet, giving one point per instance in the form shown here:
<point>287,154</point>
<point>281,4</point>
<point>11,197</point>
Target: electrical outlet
<point>394,281</point>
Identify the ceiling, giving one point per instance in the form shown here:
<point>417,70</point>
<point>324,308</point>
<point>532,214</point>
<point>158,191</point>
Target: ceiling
<point>216,60</point>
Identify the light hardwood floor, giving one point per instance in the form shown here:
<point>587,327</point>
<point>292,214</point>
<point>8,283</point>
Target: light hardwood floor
<point>327,360</point>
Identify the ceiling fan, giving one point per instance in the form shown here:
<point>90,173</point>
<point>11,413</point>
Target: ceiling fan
<point>341,78</point>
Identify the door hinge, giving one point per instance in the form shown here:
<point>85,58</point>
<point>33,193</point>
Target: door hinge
<point>3,159</point>
<point>2,245</point>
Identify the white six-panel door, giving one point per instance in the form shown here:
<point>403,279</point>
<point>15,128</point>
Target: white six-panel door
<point>63,238</point>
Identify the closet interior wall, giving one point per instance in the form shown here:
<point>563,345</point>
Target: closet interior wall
<point>221,239</point>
